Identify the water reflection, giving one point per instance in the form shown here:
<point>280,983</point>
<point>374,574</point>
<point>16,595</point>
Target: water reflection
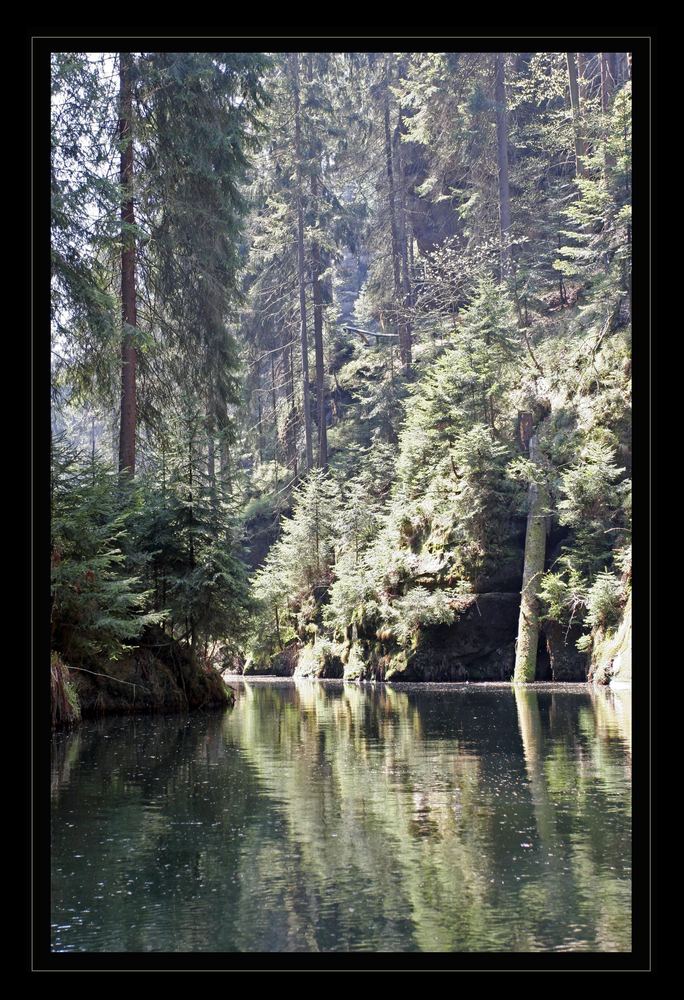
<point>337,817</point>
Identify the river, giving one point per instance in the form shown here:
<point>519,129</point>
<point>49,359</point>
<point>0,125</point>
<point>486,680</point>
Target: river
<point>324,816</point>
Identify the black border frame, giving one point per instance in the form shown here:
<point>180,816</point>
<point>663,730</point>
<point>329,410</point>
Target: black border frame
<point>41,41</point>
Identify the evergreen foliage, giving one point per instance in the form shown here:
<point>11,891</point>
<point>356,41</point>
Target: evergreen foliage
<point>379,222</point>
<point>98,606</point>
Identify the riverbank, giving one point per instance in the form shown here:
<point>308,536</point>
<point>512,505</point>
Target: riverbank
<point>478,646</point>
<point>159,676</point>
<point>551,687</point>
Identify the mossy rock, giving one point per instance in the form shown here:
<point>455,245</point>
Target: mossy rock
<point>397,666</point>
<point>321,660</point>
<point>566,662</point>
<point>64,700</point>
<point>160,675</point>
<point>478,646</point>
<point>280,664</point>
<point>367,661</point>
<point>611,653</point>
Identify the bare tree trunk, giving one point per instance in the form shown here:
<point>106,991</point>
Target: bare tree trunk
<point>502,151</point>
<point>403,222</point>
<point>404,330</point>
<point>582,77</point>
<point>612,60</point>
<point>274,402</point>
<point>291,422</point>
<point>226,471</point>
<point>211,445</point>
<point>301,271</point>
<point>580,148</point>
<point>608,74</point>
<point>127,427</point>
<point>535,554</point>
<point>211,458</point>
<point>260,432</point>
<point>316,271</point>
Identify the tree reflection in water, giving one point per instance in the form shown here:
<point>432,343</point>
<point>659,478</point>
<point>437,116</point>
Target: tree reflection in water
<point>330,816</point>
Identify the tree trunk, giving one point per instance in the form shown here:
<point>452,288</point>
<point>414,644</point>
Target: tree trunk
<point>404,229</point>
<point>226,472</point>
<point>211,460</point>
<point>316,272</point>
<point>260,432</point>
<point>582,77</point>
<point>301,272</point>
<point>580,148</point>
<point>274,402</point>
<point>210,418</point>
<point>535,553</point>
<point>127,426</point>
<point>403,329</point>
<point>502,151</point>
<point>608,73</point>
<point>291,420</point>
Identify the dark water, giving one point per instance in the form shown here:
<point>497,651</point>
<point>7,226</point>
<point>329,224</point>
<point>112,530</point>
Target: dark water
<point>331,817</point>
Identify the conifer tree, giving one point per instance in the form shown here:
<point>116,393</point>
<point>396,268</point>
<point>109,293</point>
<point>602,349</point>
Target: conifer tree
<point>129,322</point>
<point>98,607</point>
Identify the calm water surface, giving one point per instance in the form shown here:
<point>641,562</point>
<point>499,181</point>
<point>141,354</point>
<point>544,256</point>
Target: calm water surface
<point>333,817</point>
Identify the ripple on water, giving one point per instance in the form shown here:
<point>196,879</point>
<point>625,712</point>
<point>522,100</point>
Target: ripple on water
<point>348,817</point>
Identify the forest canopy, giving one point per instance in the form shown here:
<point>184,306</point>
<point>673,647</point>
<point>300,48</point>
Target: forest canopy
<point>341,359</point>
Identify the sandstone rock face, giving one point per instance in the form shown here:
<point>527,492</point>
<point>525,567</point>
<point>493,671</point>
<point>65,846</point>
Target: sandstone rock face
<point>611,657</point>
<point>281,664</point>
<point>478,646</point>
<point>566,661</point>
<point>321,660</point>
<point>160,675</point>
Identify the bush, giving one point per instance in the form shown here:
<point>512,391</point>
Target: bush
<point>418,608</point>
<point>98,607</point>
<point>604,602</point>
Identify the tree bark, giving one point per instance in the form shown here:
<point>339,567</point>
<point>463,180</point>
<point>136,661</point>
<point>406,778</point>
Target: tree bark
<point>582,77</point>
<point>274,402</point>
<point>210,423</point>
<point>404,229</point>
<point>301,271</point>
<point>403,329</point>
<point>535,553</point>
<point>316,271</point>
<point>608,74</point>
<point>224,453</point>
<point>129,357</point>
<point>260,430</point>
<point>502,151</point>
<point>291,420</point>
<point>580,147</point>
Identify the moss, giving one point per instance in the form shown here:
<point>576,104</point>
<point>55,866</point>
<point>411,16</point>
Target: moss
<point>355,666</point>
<point>160,675</point>
<point>535,552</point>
<point>279,664</point>
<point>65,703</point>
<point>397,665</point>
<point>611,652</point>
<point>320,659</point>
